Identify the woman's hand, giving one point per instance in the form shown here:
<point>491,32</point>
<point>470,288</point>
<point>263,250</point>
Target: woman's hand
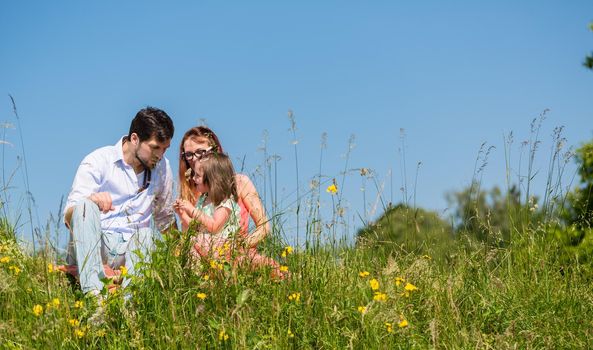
<point>250,198</point>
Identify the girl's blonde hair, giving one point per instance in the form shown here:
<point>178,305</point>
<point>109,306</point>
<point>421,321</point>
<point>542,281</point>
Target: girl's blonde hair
<point>219,176</point>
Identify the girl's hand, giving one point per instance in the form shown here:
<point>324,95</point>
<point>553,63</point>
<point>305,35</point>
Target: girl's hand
<point>187,206</point>
<point>178,210</point>
<point>183,205</point>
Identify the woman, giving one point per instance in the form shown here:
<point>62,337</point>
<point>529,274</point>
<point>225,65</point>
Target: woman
<point>195,143</point>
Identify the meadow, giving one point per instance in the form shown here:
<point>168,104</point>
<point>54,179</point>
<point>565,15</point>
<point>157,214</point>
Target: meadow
<point>404,284</point>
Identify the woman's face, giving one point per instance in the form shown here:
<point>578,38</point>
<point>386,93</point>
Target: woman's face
<point>193,144</point>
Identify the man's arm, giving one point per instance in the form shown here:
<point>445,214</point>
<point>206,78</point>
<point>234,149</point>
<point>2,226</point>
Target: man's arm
<point>86,185</point>
<point>103,201</point>
<point>164,215</point>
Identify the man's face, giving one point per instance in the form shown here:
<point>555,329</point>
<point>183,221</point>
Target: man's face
<point>151,151</point>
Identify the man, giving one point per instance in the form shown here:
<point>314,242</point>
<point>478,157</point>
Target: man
<point>121,198</point>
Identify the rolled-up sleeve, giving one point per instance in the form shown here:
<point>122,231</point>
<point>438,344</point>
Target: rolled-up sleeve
<point>164,215</point>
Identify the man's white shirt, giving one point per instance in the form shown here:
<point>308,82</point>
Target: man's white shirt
<point>104,170</point>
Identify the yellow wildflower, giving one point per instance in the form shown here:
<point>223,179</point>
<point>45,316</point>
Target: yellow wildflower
<point>374,284</point>
<point>427,257</point>
<point>290,334</point>
<point>74,322</point>
<point>380,296</point>
<point>389,327</point>
<point>206,277</point>
<point>296,297</point>
<point>124,270</point>
<point>55,302</point>
<point>362,309</point>
<point>363,274</point>
<point>201,296</point>
<point>399,281</point>
<point>79,333</point>
<point>37,310</point>
<point>50,268</point>
<point>284,268</point>
<point>15,269</point>
<point>403,323</point>
<point>287,251</point>
<point>222,335</point>
<point>77,304</point>
<point>410,287</point>
<point>216,265</point>
<point>332,189</point>
<point>5,259</point>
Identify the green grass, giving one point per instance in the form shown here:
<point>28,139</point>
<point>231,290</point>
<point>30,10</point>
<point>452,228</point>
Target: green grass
<point>529,293</point>
<point>521,296</point>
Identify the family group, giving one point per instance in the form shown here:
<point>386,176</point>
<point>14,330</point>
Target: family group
<point>122,201</point>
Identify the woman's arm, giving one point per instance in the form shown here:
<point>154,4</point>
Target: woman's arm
<point>250,198</point>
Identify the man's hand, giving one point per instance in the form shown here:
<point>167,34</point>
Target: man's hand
<point>103,201</point>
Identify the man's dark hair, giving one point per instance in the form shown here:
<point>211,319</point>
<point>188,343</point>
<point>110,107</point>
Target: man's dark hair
<point>150,122</point>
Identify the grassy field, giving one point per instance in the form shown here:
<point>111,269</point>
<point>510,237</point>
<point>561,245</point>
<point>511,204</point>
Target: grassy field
<point>411,281</point>
<point>522,296</point>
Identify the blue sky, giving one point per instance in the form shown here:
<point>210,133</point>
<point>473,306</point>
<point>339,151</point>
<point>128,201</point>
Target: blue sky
<point>451,74</point>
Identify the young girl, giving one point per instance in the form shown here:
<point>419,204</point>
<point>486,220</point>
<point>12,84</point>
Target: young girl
<point>217,214</point>
<point>216,211</point>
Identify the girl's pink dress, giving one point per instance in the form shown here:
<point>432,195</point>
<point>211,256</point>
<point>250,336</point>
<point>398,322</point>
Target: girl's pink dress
<point>243,256</point>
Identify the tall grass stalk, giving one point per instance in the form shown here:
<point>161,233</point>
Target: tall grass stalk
<point>508,143</point>
<point>5,182</point>
<point>534,142</point>
<point>554,192</point>
<point>402,160</point>
<point>296,161</point>
<point>29,195</point>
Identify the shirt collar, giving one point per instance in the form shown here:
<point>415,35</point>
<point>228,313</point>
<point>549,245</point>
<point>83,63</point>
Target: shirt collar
<point>119,149</point>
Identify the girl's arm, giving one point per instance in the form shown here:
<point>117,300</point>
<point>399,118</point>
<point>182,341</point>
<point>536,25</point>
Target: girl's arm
<point>215,223</point>
<point>185,219</point>
<point>248,194</point>
<point>183,209</point>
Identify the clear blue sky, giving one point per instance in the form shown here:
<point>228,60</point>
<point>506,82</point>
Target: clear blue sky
<point>451,74</point>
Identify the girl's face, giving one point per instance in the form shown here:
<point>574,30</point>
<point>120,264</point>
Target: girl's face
<point>199,178</point>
